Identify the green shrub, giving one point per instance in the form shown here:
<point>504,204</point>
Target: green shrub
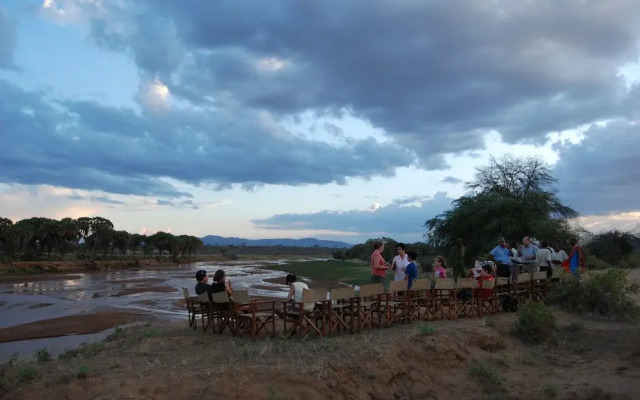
<point>536,323</point>
<point>43,355</point>
<point>27,372</point>
<point>632,261</point>
<point>608,294</point>
<point>485,373</point>
<point>83,372</point>
<point>550,390</point>
<point>426,329</point>
<point>592,263</point>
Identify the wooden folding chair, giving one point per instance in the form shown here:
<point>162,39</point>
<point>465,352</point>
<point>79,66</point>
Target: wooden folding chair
<point>193,308</point>
<point>223,308</point>
<point>253,316</point>
<point>308,315</point>
<point>421,300</point>
<point>539,285</point>
<point>369,305</point>
<point>396,303</point>
<point>208,312</point>
<point>342,310</point>
<point>466,300</point>
<point>523,287</point>
<point>487,298</point>
<point>445,298</point>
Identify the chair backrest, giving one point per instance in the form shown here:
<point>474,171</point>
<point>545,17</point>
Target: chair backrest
<point>371,289</point>
<point>445,284</point>
<point>540,276</point>
<point>203,297</point>
<point>421,284</point>
<point>502,281</point>
<point>523,278</point>
<point>186,293</point>
<point>241,297</point>
<point>311,296</point>
<point>467,283</point>
<point>488,284</point>
<point>342,293</point>
<point>397,286</point>
<point>220,298</point>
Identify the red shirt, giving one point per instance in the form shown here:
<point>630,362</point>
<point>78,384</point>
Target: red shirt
<point>379,271</point>
<point>484,292</point>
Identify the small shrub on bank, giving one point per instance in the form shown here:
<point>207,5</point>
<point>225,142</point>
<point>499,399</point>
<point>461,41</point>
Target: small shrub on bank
<point>593,263</point>
<point>550,390</point>
<point>83,372</point>
<point>43,355</point>
<point>536,323</point>
<point>608,294</point>
<point>427,329</point>
<point>27,372</point>
<point>485,373</point>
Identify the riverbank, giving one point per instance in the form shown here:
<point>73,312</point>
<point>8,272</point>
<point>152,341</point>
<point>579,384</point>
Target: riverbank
<point>466,358</point>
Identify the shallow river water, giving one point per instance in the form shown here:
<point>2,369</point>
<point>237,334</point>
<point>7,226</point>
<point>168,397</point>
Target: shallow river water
<point>81,293</point>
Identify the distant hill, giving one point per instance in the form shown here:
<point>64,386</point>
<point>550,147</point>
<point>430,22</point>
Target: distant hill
<point>213,240</point>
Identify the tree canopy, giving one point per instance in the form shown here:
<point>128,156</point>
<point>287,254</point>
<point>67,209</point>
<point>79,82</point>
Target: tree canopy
<point>511,198</point>
<point>88,236</point>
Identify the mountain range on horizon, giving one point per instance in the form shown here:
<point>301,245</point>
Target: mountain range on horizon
<point>214,240</point>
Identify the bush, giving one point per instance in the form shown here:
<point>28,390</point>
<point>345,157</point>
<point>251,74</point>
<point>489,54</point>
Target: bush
<point>83,372</point>
<point>592,263</point>
<point>536,323</point>
<point>632,261</point>
<point>609,294</point>
<point>485,373</point>
<point>43,355</point>
<point>425,263</point>
<point>339,255</point>
<point>427,329</point>
<point>27,372</point>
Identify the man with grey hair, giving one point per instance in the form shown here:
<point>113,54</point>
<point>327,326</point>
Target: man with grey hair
<point>529,253</point>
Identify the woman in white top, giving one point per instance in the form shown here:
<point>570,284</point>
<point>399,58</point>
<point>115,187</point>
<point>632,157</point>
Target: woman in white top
<point>400,262</point>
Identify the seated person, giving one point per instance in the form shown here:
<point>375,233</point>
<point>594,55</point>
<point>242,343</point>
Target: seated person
<point>202,285</point>
<point>485,275</point>
<point>295,292</point>
<point>221,283</point>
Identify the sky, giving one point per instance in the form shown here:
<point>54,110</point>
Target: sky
<point>329,119</point>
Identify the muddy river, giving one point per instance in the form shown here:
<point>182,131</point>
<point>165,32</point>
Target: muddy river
<point>155,293</point>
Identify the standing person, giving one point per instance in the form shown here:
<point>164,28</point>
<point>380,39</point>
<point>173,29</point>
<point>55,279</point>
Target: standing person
<point>501,254</point>
<point>440,267</point>
<point>543,259</point>
<point>411,271</point>
<point>529,253</point>
<point>558,255</point>
<point>458,252</point>
<point>400,262</point>
<point>378,266</point>
<point>575,260</point>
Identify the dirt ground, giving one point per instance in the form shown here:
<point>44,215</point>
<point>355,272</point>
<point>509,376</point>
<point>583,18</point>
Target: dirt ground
<point>594,360</point>
<point>74,324</point>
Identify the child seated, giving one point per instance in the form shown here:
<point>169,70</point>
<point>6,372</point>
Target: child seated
<point>485,275</point>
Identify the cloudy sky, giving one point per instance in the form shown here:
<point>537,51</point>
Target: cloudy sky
<point>335,119</point>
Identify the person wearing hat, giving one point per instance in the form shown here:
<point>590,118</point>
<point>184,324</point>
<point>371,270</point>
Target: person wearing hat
<point>202,285</point>
<point>501,254</point>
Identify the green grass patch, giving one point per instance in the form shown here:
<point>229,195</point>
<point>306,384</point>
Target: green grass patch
<point>27,372</point>
<point>350,272</point>
<point>550,390</point>
<point>426,329</point>
<point>83,372</point>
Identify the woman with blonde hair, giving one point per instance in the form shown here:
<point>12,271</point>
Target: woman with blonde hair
<point>378,266</point>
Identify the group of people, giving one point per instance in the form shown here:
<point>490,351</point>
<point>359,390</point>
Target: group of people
<point>403,265</point>
<point>528,257</point>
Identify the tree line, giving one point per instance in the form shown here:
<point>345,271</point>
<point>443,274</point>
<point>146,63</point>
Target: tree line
<point>88,237</point>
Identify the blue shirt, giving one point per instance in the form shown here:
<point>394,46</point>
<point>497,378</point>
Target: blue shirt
<point>411,272</point>
<point>501,254</point>
<point>529,253</point>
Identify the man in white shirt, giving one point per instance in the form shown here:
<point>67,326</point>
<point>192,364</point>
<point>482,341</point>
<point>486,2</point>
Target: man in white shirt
<point>400,262</point>
<point>543,258</point>
<point>558,255</point>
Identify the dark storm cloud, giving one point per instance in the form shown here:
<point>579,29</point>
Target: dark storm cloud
<point>85,145</point>
<point>601,175</point>
<point>395,220</point>
<point>432,74</point>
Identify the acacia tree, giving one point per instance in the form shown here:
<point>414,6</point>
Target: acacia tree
<point>511,197</point>
<point>612,246</point>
